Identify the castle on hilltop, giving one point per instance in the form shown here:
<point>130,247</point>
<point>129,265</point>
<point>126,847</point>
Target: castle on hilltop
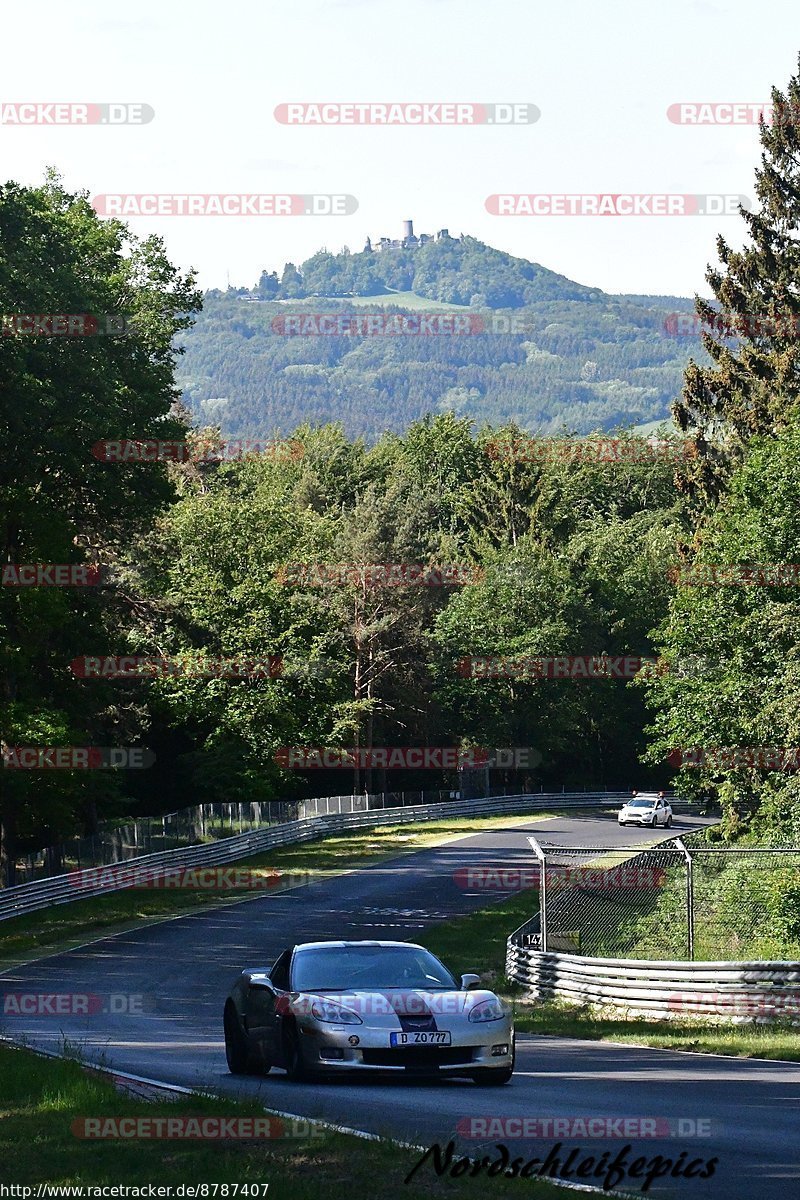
<point>409,241</point>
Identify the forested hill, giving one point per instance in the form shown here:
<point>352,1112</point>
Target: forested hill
<point>534,346</point>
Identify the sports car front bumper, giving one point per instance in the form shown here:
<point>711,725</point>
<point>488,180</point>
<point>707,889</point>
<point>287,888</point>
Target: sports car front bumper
<point>484,1045</point>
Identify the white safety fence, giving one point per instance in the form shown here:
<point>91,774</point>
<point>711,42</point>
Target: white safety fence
<point>94,881</point>
<point>738,992</point>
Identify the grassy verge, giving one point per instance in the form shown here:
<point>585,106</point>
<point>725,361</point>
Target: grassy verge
<point>704,1037</point>
<point>40,1098</point>
<point>478,942</point>
<point>67,925</point>
<point>487,931</point>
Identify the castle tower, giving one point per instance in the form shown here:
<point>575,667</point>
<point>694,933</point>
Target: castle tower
<point>408,229</point>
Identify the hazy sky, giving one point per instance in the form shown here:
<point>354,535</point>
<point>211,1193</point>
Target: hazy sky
<point>602,74</point>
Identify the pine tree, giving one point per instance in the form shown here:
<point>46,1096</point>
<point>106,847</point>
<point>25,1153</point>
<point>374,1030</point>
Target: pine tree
<point>753,334</point>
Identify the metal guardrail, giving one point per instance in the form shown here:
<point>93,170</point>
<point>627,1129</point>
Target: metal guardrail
<point>77,885</point>
<point>738,992</point>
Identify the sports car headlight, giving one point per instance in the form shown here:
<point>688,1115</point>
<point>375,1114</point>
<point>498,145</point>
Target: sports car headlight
<point>334,1014</point>
<point>487,1010</point>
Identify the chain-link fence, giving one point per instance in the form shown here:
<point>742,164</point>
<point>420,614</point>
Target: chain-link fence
<point>674,901</point>
<point>117,842</point>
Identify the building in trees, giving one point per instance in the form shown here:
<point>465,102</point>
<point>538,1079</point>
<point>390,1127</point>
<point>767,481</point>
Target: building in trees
<point>409,240</point>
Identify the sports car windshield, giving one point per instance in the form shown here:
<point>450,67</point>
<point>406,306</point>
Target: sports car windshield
<point>641,803</point>
<point>354,968</point>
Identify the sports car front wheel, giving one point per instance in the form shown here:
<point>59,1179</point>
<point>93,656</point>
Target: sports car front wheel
<point>296,1068</point>
<point>493,1077</point>
<point>237,1052</point>
<point>496,1076</point>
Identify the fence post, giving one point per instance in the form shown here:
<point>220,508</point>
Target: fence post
<point>540,854</point>
<point>689,897</point>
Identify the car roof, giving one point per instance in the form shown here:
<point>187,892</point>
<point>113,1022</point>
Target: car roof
<point>256,972</point>
<point>342,945</point>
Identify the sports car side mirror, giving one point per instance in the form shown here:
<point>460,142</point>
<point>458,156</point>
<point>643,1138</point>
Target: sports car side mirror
<point>468,982</point>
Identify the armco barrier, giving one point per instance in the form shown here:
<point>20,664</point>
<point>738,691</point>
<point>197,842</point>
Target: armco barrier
<point>738,992</point>
<point>62,889</point>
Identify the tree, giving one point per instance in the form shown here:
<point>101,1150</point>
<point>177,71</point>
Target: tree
<point>268,285</point>
<point>292,287</point>
<point>753,382</point>
<point>58,502</point>
<point>733,677</point>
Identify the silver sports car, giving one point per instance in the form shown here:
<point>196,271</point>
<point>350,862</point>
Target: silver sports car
<point>326,1007</point>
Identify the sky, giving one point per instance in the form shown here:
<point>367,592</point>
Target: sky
<point>602,76</point>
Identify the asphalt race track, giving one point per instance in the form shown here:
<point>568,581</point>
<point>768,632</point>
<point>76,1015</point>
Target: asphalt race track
<point>182,969</point>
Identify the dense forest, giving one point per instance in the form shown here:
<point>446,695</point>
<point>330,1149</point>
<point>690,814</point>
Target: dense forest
<point>543,352</point>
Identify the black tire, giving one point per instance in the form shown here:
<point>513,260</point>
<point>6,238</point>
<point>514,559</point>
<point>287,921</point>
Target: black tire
<point>496,1076</point>
<point>492,1076</point>
<point>293,1058</point>
<point>668,822</point>
<point>240,1061</point>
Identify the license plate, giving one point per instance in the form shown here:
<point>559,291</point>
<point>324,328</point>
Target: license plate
<point>429,1038</point>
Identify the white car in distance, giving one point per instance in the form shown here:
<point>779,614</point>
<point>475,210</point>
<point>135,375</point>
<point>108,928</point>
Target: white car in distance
<point>646,808</point>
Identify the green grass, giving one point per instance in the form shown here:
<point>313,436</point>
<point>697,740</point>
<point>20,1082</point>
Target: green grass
<point>408,300</point>
<point>57,928</point>
<point>40,1098</point>
<point>478,942</point>
<point>705,1037</point>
